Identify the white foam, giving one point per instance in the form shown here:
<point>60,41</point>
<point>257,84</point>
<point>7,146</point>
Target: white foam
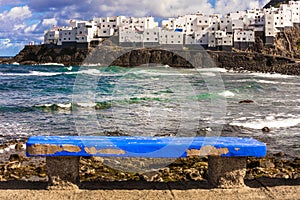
<point>86,104</point>
<point>213,69</point>
<point>227,94</point>
<point>15,63</point>
<point>269,121</point>
<point>208,74</point>
<point>268,75</point>
<point>36,73</point>
<point>69,68</point>
<point>52,64</point>
<point>94,72</point>
<point>68,105</point>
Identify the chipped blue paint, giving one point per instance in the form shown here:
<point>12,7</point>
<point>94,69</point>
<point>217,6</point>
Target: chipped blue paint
<point>149,147</point>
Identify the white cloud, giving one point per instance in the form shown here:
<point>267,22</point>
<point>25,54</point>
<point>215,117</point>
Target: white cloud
<point>49,22</point>
<point>31,28</point>
<point>16,13</point>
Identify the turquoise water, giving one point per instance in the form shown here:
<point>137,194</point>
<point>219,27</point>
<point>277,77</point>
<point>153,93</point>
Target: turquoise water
<point>153,101</point>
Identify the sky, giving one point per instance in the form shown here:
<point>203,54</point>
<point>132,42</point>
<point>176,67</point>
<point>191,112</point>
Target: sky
<point>23,21</point>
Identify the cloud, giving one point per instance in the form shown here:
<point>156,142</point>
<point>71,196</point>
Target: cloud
<point>48,22</point>
<point>16,13</point>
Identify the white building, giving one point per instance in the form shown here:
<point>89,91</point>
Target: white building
<point>128,37</point>
<point>51,36</point>
<point>171,37</point>
<point>242,39</point>
<point>237,29</point>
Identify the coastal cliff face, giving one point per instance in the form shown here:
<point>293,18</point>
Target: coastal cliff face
<point>42,54</point>
<point>239,61</point>
<point>275,3</point>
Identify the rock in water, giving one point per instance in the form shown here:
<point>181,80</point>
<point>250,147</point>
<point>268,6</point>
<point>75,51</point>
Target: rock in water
<point>266,129</point>
<point>246,101</point>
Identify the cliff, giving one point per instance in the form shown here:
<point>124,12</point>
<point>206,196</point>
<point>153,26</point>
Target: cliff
<point>239,61</point>
<point>275,3</point>
<point>42,54</point>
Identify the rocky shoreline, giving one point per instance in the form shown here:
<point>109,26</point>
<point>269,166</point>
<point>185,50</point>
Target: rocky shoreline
<point>237,61</point>
<point>14,165</point>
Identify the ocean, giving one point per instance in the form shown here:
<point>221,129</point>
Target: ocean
<point>149,101</point>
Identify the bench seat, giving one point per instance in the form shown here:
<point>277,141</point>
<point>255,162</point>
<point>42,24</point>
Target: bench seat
<point>148,147</point>
<point>226,155</point>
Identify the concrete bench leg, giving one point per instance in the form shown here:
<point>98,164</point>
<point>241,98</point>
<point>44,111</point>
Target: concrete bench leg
<point>63,172</point>
<point>225,172</point>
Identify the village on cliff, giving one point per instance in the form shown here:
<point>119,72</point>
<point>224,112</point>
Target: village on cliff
<point>235,30</point>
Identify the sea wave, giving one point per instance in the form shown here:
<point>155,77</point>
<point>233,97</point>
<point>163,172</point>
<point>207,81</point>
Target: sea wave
<point>269,121</point>
<point>272,75</point>
<point>52,64</point>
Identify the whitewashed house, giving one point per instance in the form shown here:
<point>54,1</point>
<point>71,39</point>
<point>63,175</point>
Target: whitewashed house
<point>243,39</point>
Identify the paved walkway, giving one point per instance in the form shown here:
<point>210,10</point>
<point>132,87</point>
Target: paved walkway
<point>256,189</point>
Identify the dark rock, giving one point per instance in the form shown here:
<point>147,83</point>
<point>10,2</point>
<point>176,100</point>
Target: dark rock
<point>19,146</point>
<point>16,157</point>
<point>246,101</point>
<point>266,129</point>
<point>266,164</point>
<point>279,154</point>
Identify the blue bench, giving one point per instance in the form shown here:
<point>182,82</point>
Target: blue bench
<point>226,163</point>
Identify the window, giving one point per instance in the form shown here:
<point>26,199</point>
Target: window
<point>212,29</point>
<point>172,42</point>
<point>205,21</point>
<point>154,33</point>
<point>104,31</point>
<point>202,28</point>
<point>224,42</point>
<point>238,38</point>
<point>244,38</point>
<point>178,42</point>
<point>103,26</point>
<point>69,38</point>
<point>178,36</point>
<point>172,36</point>
<point>148,39</point>
<point>156,39</point>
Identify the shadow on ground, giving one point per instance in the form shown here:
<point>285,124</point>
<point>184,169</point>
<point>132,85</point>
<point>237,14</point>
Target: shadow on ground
<point>143,185</point>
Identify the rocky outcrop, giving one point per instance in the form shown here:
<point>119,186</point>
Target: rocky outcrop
<point>239,61</point>
<point>275,3</point>
<point>43,54</point>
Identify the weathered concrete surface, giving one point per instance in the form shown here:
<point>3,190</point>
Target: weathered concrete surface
<point>181,191</point>
<point>226,172</point>
<point>63,172</point>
